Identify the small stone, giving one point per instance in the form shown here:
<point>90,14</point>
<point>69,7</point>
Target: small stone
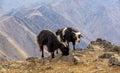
<point>30,70</point>
<point>95,59</point>
<point>2,69</point>
<point>72,72</point>
<point>116,55</point>
<point>114,61</point>
<point>99,68</point>
<point>116,49</point>
<point>47,62</point>
<point>49,68</point>
<point>106,55</point>
<point>26,71</point>
<point>33,59</point>
<point>94,71</point>
<point>86,63</point>
<point>76,58</point>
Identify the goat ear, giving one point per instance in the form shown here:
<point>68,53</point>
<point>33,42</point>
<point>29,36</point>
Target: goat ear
<point>57,32</point>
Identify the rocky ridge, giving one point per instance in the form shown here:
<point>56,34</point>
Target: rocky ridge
<point>100,56</point>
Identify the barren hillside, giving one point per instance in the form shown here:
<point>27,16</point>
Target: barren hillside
<point>99,57</point>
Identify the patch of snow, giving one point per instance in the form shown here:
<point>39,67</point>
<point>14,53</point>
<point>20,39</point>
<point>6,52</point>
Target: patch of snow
<point>35,13</point>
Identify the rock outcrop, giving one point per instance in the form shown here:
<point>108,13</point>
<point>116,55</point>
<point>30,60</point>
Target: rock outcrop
<point>96,58</point>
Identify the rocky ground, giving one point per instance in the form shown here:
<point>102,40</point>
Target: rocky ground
<point>99,57</point>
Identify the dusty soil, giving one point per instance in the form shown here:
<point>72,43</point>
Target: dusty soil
<point>79,61</point>
<point>89,63</point>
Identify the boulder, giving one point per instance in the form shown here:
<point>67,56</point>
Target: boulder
<point>33,59</point>
<point>101,43</point>
<point>116,49</point>
<point>114,61</point>
<point>106,55</point>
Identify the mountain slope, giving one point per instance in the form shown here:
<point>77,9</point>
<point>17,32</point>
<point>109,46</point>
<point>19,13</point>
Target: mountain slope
<point>41,17</point>
<point>93,18</point>
<point>19,36</point>
<point>22,27</point>
<point>8,50</point>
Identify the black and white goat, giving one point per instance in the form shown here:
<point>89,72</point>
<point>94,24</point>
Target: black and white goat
<point>68,35</point>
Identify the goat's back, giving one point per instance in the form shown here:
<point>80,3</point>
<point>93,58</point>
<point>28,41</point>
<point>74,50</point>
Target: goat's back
<point>46,36</point>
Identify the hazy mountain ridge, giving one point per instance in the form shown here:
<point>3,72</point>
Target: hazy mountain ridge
<point>21,38</point>
<point>8,50</point>
<point>41,17</point>
<point>93,18</point>
<point>100,18</point>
